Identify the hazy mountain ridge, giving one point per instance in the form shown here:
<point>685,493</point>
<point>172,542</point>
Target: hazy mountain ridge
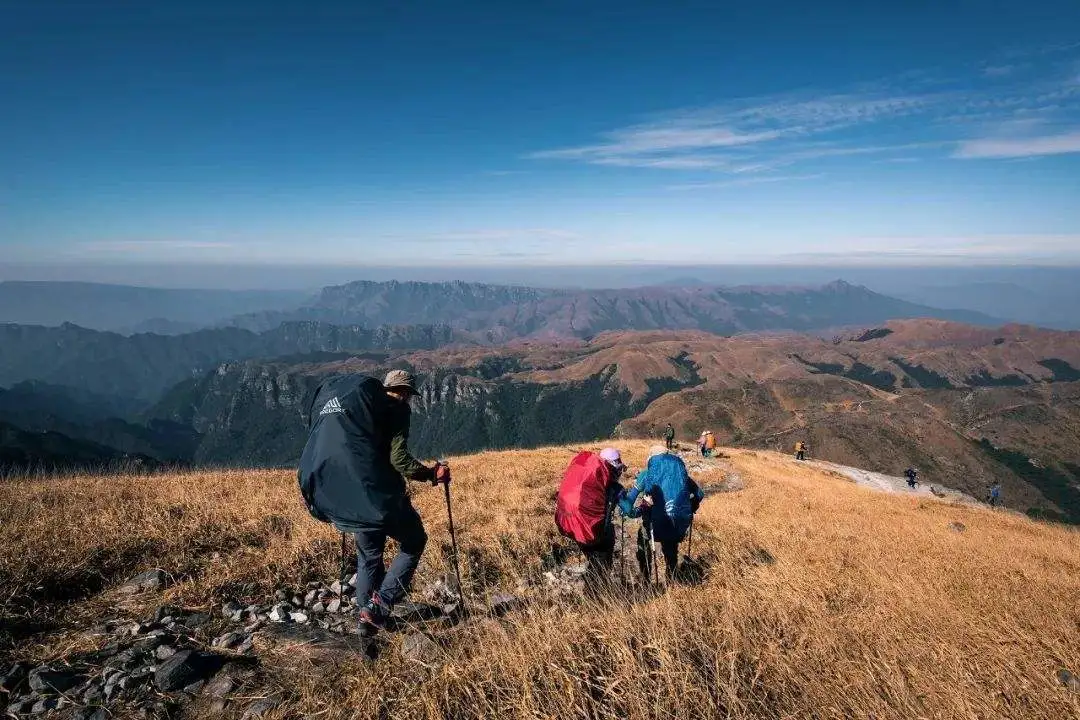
<point>495,313</point>
<point>129,309</point>
<point>144,366</point>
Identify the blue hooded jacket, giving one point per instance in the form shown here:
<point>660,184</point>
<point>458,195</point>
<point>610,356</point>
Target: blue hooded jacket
<point>673,493</point>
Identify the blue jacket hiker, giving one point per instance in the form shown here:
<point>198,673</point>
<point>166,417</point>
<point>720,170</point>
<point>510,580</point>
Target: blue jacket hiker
<point>674,500</point>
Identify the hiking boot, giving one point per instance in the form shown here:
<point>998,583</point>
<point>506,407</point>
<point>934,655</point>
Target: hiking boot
<point>374,614</point>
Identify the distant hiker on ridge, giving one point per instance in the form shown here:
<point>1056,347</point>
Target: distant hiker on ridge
<point>671,498</point>
<point>911,474</point>
<point>352,475</point>
<point>800,450</point>
<point>669,436</point>
<point>995,494</point>
<point>587,498</point>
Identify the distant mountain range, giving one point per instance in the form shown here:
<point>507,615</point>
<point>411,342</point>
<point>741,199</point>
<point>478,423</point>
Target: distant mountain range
<point>496,313</point>
<point>127,309</point>
<point>507,366</point>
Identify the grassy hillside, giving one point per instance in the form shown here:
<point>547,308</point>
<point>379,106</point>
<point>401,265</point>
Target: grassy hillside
<point>822,599</point>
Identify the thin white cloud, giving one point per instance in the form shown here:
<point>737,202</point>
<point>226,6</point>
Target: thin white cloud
<point>913,111</point>
<point>1019,147</point>
<point>756,180</point>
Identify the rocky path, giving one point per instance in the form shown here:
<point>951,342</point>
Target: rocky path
<point>891,483</point>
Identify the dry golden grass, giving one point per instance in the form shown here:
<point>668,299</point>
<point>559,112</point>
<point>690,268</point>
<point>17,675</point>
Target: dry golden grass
<point>874,606</point>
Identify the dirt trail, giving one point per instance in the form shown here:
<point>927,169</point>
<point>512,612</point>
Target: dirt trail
<point>891,483</point>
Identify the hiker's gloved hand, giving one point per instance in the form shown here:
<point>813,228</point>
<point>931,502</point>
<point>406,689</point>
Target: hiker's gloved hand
<point>442,474</point>
<point>646,501</point>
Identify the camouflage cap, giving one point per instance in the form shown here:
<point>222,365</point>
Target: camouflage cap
<point>400,380</point>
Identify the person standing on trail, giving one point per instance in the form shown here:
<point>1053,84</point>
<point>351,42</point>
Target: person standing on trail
<point>669,500</point>
<point>588,495</point>
<point>710,443</point>
<point>352,474</point>
<point>800,450</point>
<point>911,474</point>
<point>995,494</point>
<point>669,436</point>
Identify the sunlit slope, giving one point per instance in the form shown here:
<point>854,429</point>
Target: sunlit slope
<point>822,598</point>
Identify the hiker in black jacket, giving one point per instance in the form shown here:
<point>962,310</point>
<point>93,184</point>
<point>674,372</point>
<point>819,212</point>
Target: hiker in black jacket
<point>352,475</point>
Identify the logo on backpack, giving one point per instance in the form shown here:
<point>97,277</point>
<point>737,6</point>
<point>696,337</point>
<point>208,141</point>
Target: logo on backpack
<point>331,407</point>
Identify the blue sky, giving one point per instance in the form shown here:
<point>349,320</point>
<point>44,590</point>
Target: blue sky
<point>554,133</point>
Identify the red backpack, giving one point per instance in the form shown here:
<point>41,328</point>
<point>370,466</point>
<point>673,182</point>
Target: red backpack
<point>581,506</point>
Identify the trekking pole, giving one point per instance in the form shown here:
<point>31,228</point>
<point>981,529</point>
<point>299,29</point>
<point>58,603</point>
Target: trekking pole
<point>341,572</point>
<point>453,543</point>
<point>690,546</point>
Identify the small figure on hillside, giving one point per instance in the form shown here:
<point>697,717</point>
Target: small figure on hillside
<point>584,509</point>
<point>912,475</point>
<point>352,475</point>
<point>800,450</point>
<point>706,443</point>
<point>669,436</point>
<point>669,499</point>
<point>995,494</point>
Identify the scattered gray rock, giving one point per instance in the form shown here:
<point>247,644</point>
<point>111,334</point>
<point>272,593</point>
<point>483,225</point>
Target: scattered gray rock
<point>90,713</point>
<point>247,646</point>
<point>281,596</point>
<point>318,608</point>
<point>145,582</point>
<point>218,706</point>
<point>59,681</point>
<point>167,611</point>
<point>334,606</point>
<point>254,626</point>
<point>196,621</point>
<point>44,705</point>
<point>21,707</point>
<point>416,612</point>
<point>195,688</point>
<point>299,617</point>
<point>503,603</point>
<point>93,695</point>
<point>352,580</point>
<point>228,641</point>
<point>261,707</point>
<point>125,660</point>
<point>1069,680</point>
<point>14,677</point>
<point>232,610</point>
<point>282,612</point>
<point>183,669</point>
<point>418,647</point>
<point>957,527</point>
<point>164,652</point>
<point>219,687</point>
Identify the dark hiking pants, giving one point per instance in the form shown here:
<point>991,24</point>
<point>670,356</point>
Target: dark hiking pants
<point>800,455</point>
<point>645,556</point>
<point>371,574</point>
<point>599,558</point>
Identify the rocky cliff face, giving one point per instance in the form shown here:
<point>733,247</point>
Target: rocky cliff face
<point>253,413</point>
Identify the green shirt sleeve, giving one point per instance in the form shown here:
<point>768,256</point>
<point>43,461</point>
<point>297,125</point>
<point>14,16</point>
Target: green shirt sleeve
<point>402,459</point>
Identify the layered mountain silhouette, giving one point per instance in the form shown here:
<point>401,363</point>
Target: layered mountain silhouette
<point>516,367</point>
<point>494,313</point>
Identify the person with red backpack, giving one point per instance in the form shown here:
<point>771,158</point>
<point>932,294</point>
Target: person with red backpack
<point>587,498</point>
